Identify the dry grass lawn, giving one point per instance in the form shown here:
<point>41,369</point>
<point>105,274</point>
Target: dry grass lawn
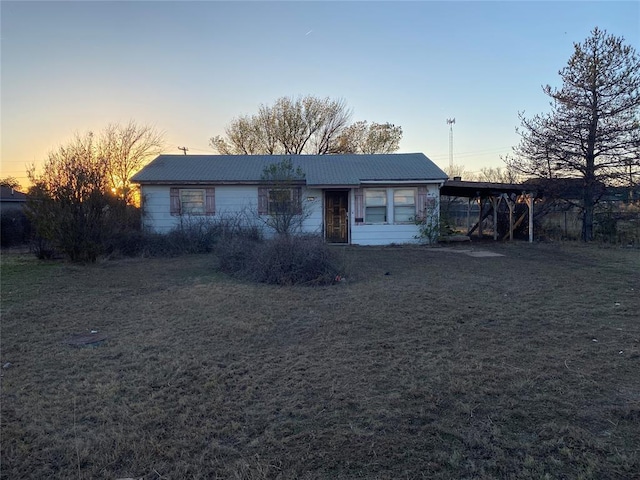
<point>525,366</point>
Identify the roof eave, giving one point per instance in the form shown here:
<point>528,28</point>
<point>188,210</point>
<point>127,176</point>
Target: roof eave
<point>209,182</point>
<point>403,181</point>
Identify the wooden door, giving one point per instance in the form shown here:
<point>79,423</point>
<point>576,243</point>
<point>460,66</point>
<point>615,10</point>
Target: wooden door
<point>336,219</point>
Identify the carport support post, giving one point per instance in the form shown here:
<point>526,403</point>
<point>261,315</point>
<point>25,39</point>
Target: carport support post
<point>530,201</point>
<point>509,203</point>
<point>494,204</point>
<point>481,204</point>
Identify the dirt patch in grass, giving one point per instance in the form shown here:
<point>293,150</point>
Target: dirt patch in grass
<point>423,364</point>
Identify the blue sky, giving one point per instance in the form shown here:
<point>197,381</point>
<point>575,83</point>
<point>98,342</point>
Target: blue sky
<point>190,67</point>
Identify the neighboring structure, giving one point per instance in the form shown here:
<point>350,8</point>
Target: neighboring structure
<point>357,199</point>
<point>14,226</point>
<point>11,200</point>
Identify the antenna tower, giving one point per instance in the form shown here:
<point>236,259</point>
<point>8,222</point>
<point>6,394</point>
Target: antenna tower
<point>451,122</point>
<point>184,149</point>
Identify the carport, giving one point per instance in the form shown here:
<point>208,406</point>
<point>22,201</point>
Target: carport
<point>489,195</point>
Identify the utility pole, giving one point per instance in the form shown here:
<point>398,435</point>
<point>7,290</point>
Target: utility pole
<point>451,122</point>
<point>184,149</point>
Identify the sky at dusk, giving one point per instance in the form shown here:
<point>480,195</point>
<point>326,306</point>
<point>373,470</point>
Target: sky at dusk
<point>189,68</point>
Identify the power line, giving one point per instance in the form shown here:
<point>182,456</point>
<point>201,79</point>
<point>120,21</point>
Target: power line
<point>201,150</point>
<point>471,153</point>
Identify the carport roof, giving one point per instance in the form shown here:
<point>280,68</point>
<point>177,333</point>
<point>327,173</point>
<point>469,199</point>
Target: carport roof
<point>458,188</point>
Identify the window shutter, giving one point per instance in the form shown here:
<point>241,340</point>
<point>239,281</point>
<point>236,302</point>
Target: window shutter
<point>263,200</point>
<point>175,201</point>
<point>421,207</point>
<point>210,201</point>
<point>297,200</point>
<point>359,205</point>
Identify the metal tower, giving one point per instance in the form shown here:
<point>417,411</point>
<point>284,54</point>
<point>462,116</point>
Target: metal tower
<point>451,122</point>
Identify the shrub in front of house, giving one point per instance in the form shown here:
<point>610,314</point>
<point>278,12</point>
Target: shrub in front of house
<point>295,260</point>
<point>193,235</point>
<point>235,254</point>
<point>281,260</point>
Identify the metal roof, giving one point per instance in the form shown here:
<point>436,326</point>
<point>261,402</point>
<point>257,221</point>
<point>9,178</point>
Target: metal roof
<point>8,194</point>
<point>320,170</point>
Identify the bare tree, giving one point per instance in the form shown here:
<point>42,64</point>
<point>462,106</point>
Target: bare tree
<point>306,125</point>
<point>127,148</point>
<point>79,197</point>
<point>291,126</point>
<point>243,138</point>
<point>382,138</point>
<point>362,137</point>
<point>593,131</point>
<point>69,199</point>
<point>498,175</point>
<point>10,182</point>
<point>280,199</point>
<point>457,170</point>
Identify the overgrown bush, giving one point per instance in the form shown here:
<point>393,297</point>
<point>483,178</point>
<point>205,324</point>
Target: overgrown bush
<point>193,235</point>
<point>128,243</point>
<point>235,254</point>
<point>80,202</point>
<point>431,224</point>
<point>282,260</point>
<point>618,225</point>
<point>14,228</point>
<point>605,226</point>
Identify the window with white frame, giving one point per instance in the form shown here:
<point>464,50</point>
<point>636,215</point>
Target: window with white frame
<point>375,202</point>
<point>404,205</point>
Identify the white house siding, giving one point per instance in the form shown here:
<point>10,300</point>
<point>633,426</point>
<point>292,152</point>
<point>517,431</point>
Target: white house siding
<point>229,200</point>
<point>156,213</point>
<point>232,199</point>
<point>388,233</point>
<point>383,234</point>
<point>312,202</point>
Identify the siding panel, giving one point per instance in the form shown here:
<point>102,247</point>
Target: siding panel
<point>229,200</point>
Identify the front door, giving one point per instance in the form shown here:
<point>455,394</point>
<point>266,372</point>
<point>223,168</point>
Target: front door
<point>336,218</point>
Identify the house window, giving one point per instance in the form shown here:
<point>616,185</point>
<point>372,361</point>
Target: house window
<point>375,202</point>
<point>404,205</point>
<point>192,201</point>
<point>279,201</point>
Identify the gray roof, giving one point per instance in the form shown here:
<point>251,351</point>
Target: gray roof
<point>320,170</point>
<point>8,194</point>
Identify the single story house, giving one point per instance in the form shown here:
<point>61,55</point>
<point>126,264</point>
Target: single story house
<point>356,199</point>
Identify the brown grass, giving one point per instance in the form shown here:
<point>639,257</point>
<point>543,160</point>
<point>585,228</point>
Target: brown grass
<point>525,366</point>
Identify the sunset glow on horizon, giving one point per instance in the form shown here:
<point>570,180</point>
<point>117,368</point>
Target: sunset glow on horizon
<point>189,68</point>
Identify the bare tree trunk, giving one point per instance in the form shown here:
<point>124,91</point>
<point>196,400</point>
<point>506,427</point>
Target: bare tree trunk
<point>587,215</point>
